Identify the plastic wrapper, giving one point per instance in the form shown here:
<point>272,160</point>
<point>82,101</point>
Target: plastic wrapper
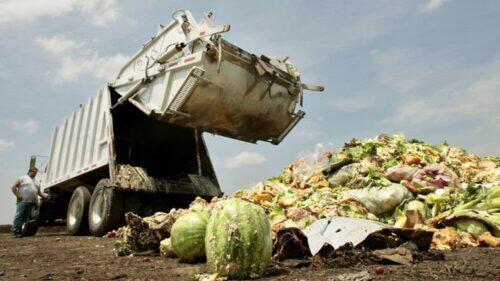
<point>379,200</point>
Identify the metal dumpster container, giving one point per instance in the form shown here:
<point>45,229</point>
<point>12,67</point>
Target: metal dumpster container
<point>188,75</point>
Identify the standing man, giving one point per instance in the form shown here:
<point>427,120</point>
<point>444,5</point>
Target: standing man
<point>26,191</point>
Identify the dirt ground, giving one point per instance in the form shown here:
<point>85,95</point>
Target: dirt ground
<point>54,256</point>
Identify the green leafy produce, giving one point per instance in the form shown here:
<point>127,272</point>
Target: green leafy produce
<point>188,236</point>
<point>472,226</point>
<point>492,220</point>
<point>443,179</point>
<point>418,206</point>
<point>409,208</point>
<point>480,203</point>
<point>238,240</point>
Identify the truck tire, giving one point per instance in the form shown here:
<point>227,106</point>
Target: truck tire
<point>30,227</point>
<point>77,214</point>
<point>106,208</point>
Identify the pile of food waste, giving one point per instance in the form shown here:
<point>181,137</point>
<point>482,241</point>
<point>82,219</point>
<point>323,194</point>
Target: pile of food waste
<point>404,183</point>
<point>389,180</point>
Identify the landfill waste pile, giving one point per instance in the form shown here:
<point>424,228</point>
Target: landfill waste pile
<point>404,184</point>
<point>143,235</point>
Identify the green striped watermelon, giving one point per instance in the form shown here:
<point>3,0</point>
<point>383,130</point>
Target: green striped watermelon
<point>238,240</point>
<point>188,236</point>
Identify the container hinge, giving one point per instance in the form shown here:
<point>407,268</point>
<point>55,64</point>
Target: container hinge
<point>297,117</point>
<point>131,93</point>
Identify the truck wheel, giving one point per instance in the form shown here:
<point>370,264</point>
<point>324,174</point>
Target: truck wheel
<point>106,207</point>
<point>77,214</point>
<point>30,227</point>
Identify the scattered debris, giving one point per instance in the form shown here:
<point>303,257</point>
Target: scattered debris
<point>111,234</point>
<point>166,249</point>
<point>357,276</point>
<point>379,270</point>
<point>290,243</point>
<point>488,240</point>
<point>118,276</point>
<point>399,255</point>
<point>344,256</point>
<point>339,231</point>
<point>294,263</point>
<point>206,277</point>
<point>144,234</point>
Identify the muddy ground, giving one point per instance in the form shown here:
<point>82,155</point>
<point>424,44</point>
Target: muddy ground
<point>54,256</point>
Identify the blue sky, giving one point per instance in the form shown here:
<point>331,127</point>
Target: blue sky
<point>430,69</point>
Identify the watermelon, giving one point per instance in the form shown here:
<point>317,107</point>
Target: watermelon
<point>188,236</point>
<point>238,240</point>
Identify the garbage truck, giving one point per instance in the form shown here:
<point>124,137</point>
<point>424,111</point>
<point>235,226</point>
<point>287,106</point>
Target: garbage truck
<point>137,146</point>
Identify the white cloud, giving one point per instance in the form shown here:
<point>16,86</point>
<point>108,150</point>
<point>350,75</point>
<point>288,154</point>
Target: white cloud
<point>436,95</point>
<point>485,148</point>
<point>308,130</point>
<point>342,31</point>
<point>5,144</point>
<point>244,158</point>
<point>97,12</point>
<point>56,44</point>
<point>389,57</point>
<point>401,70</point>
<point>73,67</point>
<point>12,11</point>
<point>76,60</point>
<point>431,5</point>
<point>30,127</point>
<point>352,104</point>
<point>107,12</point>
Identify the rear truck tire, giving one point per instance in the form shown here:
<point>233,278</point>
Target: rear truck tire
<point>30,227</point>
<point>77,214</point>
<point>106,208</point>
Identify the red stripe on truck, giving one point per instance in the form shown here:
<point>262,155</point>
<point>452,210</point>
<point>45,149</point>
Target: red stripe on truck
<point>189,59</point>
